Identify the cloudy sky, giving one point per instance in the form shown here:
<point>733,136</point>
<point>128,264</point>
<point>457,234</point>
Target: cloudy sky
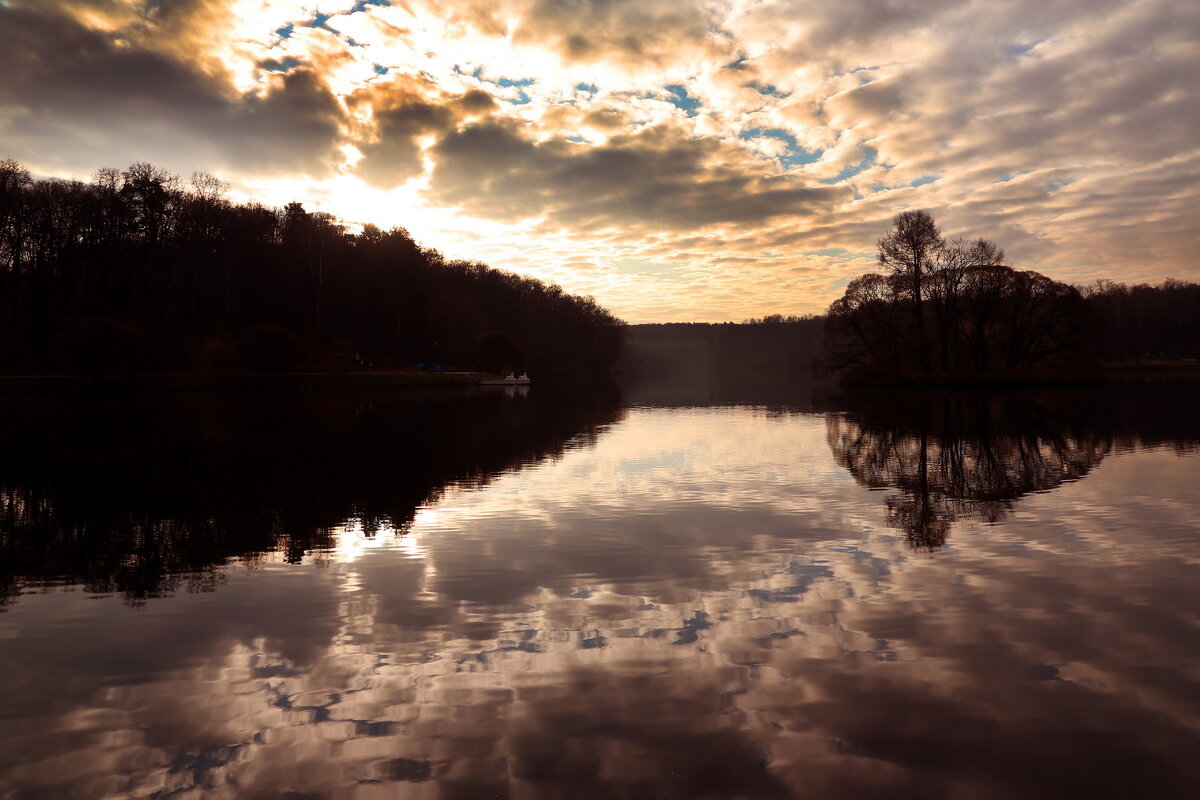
<point>679,160</point>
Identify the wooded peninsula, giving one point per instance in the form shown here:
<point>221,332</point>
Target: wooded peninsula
<point>137,271</point>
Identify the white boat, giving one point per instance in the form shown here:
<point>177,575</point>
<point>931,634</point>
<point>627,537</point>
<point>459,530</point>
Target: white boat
<point>507,380</point>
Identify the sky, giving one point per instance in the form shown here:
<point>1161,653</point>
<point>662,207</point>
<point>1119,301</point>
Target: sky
<point>678,160</point>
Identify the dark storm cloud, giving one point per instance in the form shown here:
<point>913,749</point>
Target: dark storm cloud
<point>1064,131</point>
<point>627,31</point>
<point>90,96</point>
<point>402,116</point>
<point>607,119</point>
<point>654,177</point>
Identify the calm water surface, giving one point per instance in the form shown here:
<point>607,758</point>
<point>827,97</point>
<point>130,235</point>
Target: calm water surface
<point>663,595</point>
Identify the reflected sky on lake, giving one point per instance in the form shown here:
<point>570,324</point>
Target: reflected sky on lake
<point>678,602</point>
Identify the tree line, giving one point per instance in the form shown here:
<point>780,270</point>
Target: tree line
<point>775,343</point>
<point>140,270</point>
<point>954,306</point>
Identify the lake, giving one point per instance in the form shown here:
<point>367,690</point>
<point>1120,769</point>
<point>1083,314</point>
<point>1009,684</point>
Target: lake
<point>708,590</point>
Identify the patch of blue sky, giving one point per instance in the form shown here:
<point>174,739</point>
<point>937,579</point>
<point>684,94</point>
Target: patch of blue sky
<point>680,98</point>
<point>286,31</point>
<point>577,139</point>
<point>829,251</point>
<point>924,179</point>
<point>1020,49</point>
<point>504,83</point>
<point>361,5</point>
<point>380,69</point>
<point>865,73</point>
<point>590,88</point>
<point>850,170</point>
<point>767,89</point>
<point>1008,176</point>
<point>508,83</point>
<point>1054,185</point>
<point>793,154</point>
<point>318,21</point>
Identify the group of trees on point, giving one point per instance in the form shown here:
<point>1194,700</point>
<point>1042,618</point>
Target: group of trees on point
<point>140,270</point>
<point>953,305</point>
<point>956,306</point>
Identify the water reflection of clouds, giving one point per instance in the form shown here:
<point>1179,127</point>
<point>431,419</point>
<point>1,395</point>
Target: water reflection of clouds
<point>573,629</point>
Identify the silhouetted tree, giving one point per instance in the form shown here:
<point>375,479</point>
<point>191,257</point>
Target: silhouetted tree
<point>981,314</point>
<point>908,250</point>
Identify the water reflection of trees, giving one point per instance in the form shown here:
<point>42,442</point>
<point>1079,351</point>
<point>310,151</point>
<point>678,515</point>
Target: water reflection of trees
<point>146,496</point>
<point>954,457</point>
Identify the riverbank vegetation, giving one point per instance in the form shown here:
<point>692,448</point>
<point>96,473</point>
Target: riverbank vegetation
<point>139,271</point>
<point>954,310</point>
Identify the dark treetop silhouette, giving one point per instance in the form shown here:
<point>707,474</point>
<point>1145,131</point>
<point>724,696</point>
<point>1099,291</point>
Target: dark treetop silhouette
<point>135,271</point>
<point>953,306</point>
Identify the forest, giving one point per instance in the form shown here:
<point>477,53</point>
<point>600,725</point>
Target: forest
<point>942,307</point>
<point>139,271</point>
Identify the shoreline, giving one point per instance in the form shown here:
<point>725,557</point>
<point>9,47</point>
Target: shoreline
<point>1106,375</point>
<point>318,381</point>
<point>284,381</point>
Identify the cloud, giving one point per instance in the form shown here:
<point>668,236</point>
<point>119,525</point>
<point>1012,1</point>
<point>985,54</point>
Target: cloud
<point>79,96</point>
<point>654,178</point>
<point>599,131</point>
<point>403,116</point>
<point>635,33</point>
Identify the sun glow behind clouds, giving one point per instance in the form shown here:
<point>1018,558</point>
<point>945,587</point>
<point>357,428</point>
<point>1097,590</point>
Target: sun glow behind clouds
<point>730,144</point>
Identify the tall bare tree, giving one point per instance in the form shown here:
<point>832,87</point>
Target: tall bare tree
<point>908,251</point>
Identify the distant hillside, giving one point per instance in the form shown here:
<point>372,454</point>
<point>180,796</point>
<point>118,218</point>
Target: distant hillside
<point>784,345</point>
